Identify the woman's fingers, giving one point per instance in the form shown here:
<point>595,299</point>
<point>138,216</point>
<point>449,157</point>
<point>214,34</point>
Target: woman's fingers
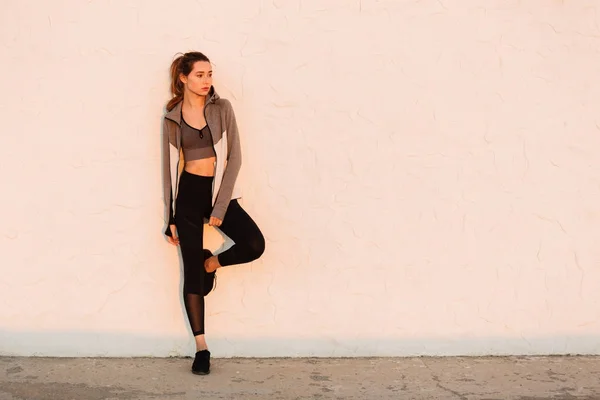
<point>214,221</point>
<point>173,239</point>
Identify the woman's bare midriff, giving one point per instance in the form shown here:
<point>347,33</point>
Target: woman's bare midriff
<point>205,167</point>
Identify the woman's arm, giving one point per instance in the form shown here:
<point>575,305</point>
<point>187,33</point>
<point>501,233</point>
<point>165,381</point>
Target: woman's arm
<point>166,178</point>
<point>234,163</point>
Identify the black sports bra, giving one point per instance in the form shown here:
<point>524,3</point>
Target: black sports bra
<point>196,143</point>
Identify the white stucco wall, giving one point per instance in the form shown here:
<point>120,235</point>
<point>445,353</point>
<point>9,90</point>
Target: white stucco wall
<point>426,174</point>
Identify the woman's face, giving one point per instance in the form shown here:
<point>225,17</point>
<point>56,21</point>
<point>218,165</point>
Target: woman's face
<point>199,80</point>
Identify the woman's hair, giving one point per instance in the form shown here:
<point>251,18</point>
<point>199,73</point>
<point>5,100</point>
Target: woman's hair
<point>182,65</point>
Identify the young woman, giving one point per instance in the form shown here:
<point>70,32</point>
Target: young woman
<point>200,133</point>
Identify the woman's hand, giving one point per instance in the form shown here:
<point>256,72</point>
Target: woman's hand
<point>214,221</point>
<point>174,240</point>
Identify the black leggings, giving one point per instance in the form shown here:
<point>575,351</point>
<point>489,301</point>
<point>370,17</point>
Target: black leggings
<point>194,203</point>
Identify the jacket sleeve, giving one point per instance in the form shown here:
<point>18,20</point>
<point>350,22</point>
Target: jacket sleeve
<point>234,163</point>
<point>166,178</point>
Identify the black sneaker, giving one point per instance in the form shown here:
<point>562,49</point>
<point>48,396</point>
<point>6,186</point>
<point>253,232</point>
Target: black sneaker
<point>210,278</point>
<point>201,365</point>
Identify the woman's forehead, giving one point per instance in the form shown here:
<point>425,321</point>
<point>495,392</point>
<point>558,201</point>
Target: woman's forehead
<point>202,66</point>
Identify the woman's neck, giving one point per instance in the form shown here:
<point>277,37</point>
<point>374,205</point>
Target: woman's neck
<point>191,100</point>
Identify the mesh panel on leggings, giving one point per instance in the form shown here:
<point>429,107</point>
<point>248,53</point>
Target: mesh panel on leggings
<point>194,306</point>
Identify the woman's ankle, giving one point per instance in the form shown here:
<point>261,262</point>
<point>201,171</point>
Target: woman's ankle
<point>212,264</point>
<point>200,343</point>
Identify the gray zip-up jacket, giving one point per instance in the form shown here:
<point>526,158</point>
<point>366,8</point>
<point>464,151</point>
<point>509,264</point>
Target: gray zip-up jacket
<point>220,119</point>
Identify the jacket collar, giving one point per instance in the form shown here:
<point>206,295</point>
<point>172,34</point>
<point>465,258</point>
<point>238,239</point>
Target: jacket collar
<point>175,114</point>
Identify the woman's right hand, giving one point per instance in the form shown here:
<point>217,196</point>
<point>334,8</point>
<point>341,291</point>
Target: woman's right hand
<point>173,239</point>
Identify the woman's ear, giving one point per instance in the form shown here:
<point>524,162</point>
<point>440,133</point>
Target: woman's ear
<point>183,78</point>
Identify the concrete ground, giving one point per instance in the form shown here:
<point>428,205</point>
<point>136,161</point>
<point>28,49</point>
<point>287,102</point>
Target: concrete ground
<point>523,378</point>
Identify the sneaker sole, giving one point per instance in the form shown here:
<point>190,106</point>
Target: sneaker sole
<point>200,373</point>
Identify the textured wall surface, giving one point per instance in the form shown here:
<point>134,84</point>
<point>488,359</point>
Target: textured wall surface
<point>426,174</point>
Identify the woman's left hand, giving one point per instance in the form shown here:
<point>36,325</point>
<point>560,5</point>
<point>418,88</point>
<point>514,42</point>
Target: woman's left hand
<point>214,221</point>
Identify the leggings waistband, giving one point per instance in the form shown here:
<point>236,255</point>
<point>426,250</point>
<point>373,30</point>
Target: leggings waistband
<point>200,178</point>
